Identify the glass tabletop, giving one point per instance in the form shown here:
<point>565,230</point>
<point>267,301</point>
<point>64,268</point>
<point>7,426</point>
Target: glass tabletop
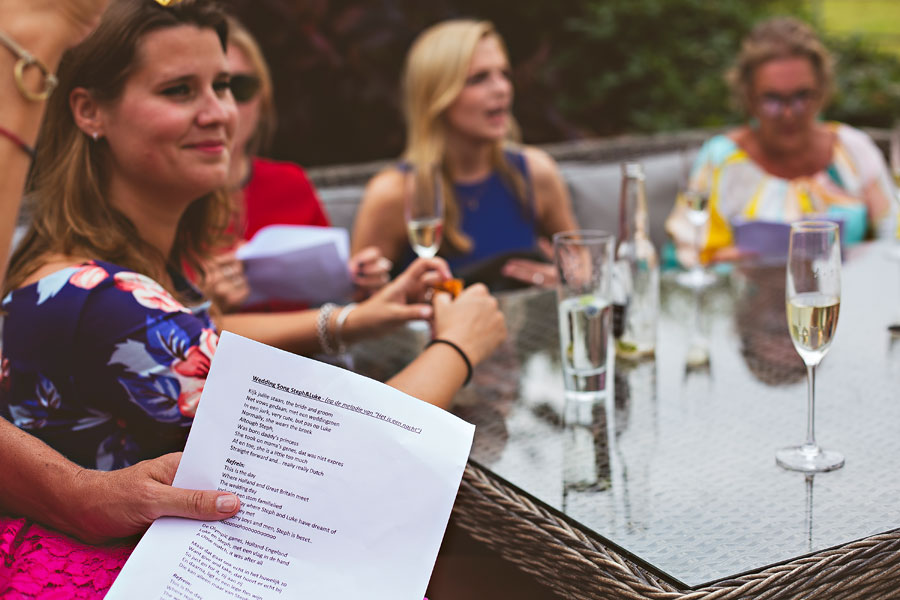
<point>678,468</point>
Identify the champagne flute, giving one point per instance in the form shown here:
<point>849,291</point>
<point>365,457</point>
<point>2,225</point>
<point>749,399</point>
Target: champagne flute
<point>424,210</point>
<point>813,298</point>
<point>696,203</point>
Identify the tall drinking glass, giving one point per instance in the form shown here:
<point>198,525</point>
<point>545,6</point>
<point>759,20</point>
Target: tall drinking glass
<point>584,262</point>
<point>813,298</point>
<point>424,210</point>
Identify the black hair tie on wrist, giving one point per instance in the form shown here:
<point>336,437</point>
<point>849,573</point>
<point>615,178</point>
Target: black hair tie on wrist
<point>461,353</point>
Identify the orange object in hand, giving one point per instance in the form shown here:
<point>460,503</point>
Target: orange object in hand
<point>454,287</point>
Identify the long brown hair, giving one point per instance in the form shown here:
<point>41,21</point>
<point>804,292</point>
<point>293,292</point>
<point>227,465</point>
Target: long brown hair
<point>70,213</point>
<point>433,77</point>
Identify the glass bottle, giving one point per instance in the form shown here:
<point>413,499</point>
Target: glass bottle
<point>637,271</point>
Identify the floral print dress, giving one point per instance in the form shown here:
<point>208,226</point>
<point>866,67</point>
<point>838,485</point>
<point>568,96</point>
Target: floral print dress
<point>103,364</point>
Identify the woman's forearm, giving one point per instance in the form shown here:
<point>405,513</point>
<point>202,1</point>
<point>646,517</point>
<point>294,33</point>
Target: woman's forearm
<point>37,479</point>
<point>291,331</point>
<point>434,377</point>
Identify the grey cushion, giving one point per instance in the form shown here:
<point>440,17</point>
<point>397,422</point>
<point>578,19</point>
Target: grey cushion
<point>594,187</point>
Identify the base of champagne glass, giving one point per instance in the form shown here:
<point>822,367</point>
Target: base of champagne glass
<point>893,252</point>
<point>695,278</point>
<point>809,459</point>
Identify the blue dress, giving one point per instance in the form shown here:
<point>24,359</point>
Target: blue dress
<point>103,364</point>
<point>494,218</point>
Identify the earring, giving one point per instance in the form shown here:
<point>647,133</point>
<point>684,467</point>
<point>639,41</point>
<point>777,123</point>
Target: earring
<point>95,135</point>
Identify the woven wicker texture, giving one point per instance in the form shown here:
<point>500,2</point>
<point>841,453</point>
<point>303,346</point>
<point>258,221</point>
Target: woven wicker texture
<point>576,565</point>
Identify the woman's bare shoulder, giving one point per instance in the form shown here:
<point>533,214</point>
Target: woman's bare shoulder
<point>50,264</point>
<point>541,165</point>
<point>385,188</point>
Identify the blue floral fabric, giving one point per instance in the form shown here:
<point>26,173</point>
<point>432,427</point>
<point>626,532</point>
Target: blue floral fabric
<point>103,364</point>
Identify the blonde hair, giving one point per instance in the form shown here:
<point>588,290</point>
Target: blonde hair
<point>243,40</point>
<point>781,37</point>
<point>434,75</point>
<point>70,212</point>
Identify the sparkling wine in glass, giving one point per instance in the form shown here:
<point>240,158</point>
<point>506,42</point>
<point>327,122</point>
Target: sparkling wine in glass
<point>424,210</point>
<point>696,204</point>
<point>813,298</point>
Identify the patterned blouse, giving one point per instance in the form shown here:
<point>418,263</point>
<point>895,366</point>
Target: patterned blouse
<point>103,364</point>
<point>741,190</point>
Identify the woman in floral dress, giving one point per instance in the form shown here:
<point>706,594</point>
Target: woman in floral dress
<point>106,345</point>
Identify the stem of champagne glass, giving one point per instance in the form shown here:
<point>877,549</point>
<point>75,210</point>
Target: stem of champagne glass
<point>698,246</point>
<point>811,409</point>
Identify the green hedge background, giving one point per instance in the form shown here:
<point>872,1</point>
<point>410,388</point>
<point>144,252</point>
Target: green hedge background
<point>581,68</point>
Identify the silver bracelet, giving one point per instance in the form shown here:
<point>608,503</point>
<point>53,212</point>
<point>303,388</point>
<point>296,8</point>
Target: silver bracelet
<point>339,326</point>
<point>322,327</point>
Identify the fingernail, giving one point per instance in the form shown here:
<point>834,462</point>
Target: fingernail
<point>425,312</point>
<point>226,503</point>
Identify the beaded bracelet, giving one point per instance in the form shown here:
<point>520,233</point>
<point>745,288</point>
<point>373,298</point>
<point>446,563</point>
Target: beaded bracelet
<point>26,60</point>
<point>17,141</point>
<point>339,326</point>
<point>461,353</point>
<point>322,327</point>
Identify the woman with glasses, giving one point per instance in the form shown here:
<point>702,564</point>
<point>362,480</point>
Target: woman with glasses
<point>786,163</point>
<point>267,192</point>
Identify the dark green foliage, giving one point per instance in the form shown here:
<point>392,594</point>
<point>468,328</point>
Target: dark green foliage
<point>581,67</point>
<point>867,89</point>
<point>650,65</point>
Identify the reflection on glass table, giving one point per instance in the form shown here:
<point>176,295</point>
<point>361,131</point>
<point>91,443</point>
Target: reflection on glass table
<point>694,495</point>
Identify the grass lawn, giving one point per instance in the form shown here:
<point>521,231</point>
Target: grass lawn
<point>878,20</point>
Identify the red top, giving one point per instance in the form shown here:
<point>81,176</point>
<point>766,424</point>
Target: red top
<point>279,193</point>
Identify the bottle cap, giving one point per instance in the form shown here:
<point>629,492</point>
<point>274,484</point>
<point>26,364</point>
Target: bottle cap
<point>633,170</point>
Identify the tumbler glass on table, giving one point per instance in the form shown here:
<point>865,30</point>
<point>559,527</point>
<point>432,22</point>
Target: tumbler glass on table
<point>424,210</point>
<point>696,206</point>
<point>813,299</point>
<point>583,260</point>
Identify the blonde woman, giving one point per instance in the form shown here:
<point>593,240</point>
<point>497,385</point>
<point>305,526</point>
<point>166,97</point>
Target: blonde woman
<point>499,197</point>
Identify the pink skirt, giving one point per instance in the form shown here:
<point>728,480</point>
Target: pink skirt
<point>36,562</point>
<point>40,562</point>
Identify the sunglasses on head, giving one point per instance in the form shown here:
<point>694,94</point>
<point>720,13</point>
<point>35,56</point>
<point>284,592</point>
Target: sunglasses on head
<point>244,87</point>
<point>773,105</point>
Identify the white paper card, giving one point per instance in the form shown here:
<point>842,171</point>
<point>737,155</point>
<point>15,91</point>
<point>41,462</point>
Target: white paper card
<point>297,263</point>
<point>346,487</point>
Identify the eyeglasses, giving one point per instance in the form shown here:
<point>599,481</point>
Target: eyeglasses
<point>772,105</point>
<point>244,87</point>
